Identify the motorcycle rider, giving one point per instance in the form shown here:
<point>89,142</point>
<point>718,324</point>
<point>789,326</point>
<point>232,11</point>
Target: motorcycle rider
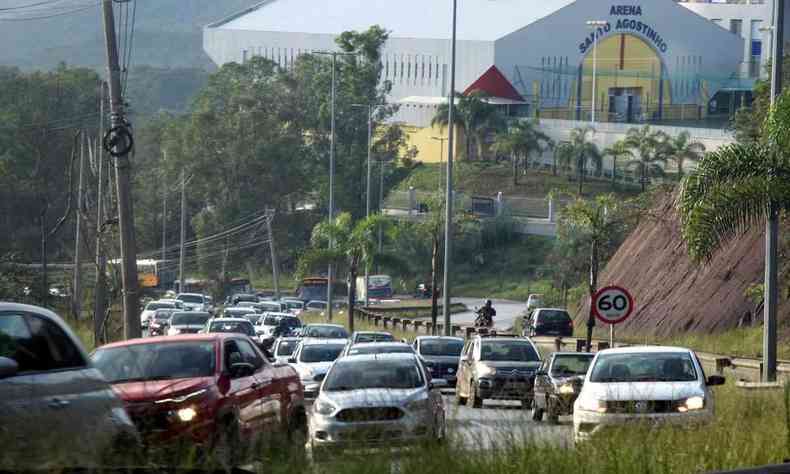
<point>487,312</point>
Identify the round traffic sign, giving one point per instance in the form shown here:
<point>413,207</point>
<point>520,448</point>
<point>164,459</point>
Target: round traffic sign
<point>612,304</point>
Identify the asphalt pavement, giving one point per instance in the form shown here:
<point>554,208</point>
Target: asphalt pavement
<point>507,311</point>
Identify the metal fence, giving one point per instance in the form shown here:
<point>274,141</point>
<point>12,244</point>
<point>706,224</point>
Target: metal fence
<point>514,206</point>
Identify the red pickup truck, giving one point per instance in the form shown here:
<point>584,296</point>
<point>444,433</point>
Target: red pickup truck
<point>216,391</point>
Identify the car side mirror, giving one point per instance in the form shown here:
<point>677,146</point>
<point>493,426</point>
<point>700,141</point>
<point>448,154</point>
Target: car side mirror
<point>8,367</point>
<point>436,384</point>
<point>714,380</point>
<point>241,369</point>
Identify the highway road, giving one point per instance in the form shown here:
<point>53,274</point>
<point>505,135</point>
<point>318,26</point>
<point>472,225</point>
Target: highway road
<point>507,311</point>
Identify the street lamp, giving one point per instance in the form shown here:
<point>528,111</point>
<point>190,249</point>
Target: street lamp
<point>441,141</point>
<point>595,24</point>
<point>448,225</point>
<point>330,270</point>
<point>370,108</point>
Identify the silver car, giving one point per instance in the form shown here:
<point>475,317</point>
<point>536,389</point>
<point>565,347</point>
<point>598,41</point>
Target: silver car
<point>379,400</point>
<point>312,359</point>
<point>56,410</point>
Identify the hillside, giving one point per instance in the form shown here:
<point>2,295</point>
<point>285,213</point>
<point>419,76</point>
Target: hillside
<point>168,33</point>
<point>674,296</point>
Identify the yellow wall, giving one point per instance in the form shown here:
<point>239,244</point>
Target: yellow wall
<point>428,149</point>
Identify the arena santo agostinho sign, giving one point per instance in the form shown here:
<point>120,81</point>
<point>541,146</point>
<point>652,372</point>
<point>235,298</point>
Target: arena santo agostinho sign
<point>624,25</point>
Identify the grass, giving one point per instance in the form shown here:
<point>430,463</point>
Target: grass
<point>488,178</point>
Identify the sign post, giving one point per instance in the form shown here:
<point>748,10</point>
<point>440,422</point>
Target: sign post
<point>612,305</point>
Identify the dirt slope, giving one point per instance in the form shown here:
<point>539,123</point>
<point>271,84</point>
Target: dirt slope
<point>674,295</point>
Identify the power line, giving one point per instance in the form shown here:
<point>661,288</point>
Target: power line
<point>70,10</point>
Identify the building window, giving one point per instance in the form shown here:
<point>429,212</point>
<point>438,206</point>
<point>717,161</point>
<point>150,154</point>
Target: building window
<point>736,27</point>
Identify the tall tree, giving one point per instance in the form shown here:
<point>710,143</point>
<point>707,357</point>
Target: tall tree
<point>618,151</point>
<point>683,149</point>
<point>355,246</point>
<point>580,152</point>
<point>520,140</point>
<point>475,116</point>
<point>597,220</point>
<point>652,150</point>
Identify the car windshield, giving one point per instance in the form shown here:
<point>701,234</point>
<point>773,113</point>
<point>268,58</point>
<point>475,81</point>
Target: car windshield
<point>517,351</point>
<point>285,348</point>
<point>552,316</point>
<point>290,322</point>
<point>252,317</point>
<point>191,298</point>
<point>294,304</point>
<point>270,320</point>
<point>644,367</point>
<point>380,349</point>
<point>334,332</point>
<point>438,347</point>
<point>189,319</point>
<point>567,365</point>
<point>156,361</point>
<point>316,305</point>
<point>246,304</point>
<point>351,374</point>
<point>320,353</point>
<point>155,306</point>
<point>232,326</point>
<point>374,337</point>
<point>269,306</point>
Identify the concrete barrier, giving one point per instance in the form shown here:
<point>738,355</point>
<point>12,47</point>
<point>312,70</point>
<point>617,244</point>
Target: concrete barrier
<point>417,326</point>
<point>376,320</point>
<point>428,328</point>
<point>385,322</point>
<point>406,323</point>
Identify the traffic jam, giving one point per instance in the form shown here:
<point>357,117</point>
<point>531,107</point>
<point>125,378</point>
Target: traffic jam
<point>221,379</point>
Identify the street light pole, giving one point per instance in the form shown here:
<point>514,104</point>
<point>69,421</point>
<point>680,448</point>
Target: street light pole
<point>441,141</point>
<point>594,24</point>
<point>367,183</point>
<point>330,270</point>
<point>448,227</point>
<point>772,223</point>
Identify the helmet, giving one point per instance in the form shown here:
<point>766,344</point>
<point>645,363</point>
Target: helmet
<point>488,303</point>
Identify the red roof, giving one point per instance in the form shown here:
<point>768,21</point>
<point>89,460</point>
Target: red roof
<point>495,84</point>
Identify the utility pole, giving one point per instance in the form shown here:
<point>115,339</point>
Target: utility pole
<point>771,283</point>
<point>164,224</point>
<point>121,142</point>
<point>370,108</point>
<point>181,285</point>
<point>275,265</point>
<point>100,291</point>
<point>76,293</point>
<point>448,228</point>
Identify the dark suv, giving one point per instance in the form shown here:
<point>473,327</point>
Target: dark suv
<point>548,322</point>
<point>497,368</point>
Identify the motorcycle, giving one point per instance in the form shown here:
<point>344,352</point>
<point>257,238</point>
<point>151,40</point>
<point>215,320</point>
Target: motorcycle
<point>482,320</point>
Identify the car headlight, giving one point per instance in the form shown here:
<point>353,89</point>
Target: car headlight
<point>324,408</point>
<point>418,405</point>
<point>594,405</point>
<point>186,414</point>
<point>486,371</point>
<point>566,389</point>
<point>691,404</point>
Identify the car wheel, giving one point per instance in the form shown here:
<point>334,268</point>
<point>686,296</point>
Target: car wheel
<point>297,430</point>
<point>537,413</point>
<point>474,400</point>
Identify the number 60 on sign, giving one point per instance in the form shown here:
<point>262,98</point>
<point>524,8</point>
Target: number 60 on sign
<point>612,304</point>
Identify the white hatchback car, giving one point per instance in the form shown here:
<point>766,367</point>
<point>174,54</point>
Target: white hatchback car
<point>650,384</point>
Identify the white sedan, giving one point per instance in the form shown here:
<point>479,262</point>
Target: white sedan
<point>643,384</point>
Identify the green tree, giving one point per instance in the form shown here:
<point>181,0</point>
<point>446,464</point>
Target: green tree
<point>618,151</point>
<point>352,244</point>
<point>598,221</point>
<point>652,151</point>
<point>475,117</point>
<point>579,152</point>
<point>520,140</point>
<point>683,149</point>
<point>747,121</point>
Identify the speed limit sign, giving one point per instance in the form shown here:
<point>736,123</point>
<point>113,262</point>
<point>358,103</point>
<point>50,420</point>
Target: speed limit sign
<point>612,304</point>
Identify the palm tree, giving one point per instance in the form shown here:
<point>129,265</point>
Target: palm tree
<point>735,188</point>
<point>580,151</point>
<point>653,149</point>
<point>682,149</point>
<point>617,151</point>
<point>474,116</point>
<point>354,245</point>
<point>519,141</point>
<point>596,220</point>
